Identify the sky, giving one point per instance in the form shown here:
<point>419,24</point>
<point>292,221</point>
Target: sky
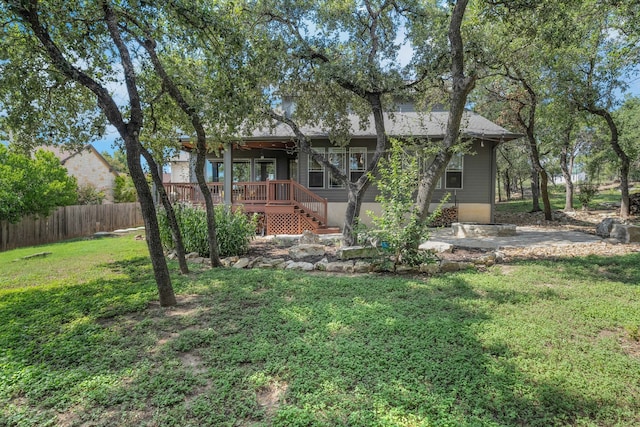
<point>108,142</point>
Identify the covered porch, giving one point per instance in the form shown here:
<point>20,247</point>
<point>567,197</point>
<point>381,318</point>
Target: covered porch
<point>285,206</point>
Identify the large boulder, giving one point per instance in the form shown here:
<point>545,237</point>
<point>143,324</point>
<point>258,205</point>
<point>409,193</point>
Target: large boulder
<point>626,233</point>
<point>604,228</point>
<point>303,251</point>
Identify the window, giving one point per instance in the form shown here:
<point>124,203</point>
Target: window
<point>241,171</point>
<point>338,158</point>
<point>357,162</point>
<point>316,171</point>
<point>453,174</point>
<point>264,169</point>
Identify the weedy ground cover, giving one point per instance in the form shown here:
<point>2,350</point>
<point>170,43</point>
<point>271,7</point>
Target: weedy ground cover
<point>83,342</point>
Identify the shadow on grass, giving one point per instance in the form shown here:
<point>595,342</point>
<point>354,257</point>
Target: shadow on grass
<point>52,340</point>
<point>363,351</point>
<point>357,351</point>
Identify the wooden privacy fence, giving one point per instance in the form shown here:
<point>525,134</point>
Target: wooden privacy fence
<point>69,222</point>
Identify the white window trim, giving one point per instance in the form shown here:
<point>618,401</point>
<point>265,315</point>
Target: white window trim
<point>322,169</point>
<point>461,170</point>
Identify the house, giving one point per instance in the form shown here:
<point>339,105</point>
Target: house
<point>180,168</point>
<point>270,176</point>
<point>88,167</point>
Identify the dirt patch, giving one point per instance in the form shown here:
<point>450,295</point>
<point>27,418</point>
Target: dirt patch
<point>271,396</point>
<point>628,343</point>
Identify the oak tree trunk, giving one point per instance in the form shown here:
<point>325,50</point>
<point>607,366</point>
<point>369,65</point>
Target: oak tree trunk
<point>176,234</point>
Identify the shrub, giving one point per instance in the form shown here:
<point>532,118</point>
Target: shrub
<point>90,195</point>
<point>586,192</point>
<point>234,229</point>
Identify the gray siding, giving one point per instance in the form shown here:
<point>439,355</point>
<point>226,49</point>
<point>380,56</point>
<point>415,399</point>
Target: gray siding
<point>477,183</point>
<point>477,176</point>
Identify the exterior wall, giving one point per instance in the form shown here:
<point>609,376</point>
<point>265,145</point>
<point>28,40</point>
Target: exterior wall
<point>280,156</point>
<point>477,177</point>
<point>180,171</point>
<point>90,170</point>
<point>467,212</point>
<point>475,199</point>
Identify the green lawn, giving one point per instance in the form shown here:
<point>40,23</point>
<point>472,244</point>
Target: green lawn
<point>83,343</point>
<point>557,198</point>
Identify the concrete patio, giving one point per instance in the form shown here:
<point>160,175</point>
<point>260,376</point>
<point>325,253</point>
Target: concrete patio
<point>525,237</point>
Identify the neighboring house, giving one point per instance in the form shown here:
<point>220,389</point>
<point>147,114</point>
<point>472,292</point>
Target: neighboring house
<point>270,176</point>
<point>89,168</point>
<point>180,168</point>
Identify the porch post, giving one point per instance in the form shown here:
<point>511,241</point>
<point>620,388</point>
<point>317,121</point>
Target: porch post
<point>228,174</point>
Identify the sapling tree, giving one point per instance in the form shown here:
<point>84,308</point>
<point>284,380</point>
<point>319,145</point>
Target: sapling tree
<point>397,182</point>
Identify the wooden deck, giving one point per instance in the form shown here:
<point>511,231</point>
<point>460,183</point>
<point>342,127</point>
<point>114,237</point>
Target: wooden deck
<point>287,207</point>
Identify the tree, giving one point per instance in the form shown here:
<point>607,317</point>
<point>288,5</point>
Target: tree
<point>124,191</point>
<point>336,58</point>
<point>628,116</point>
<point>117,160</point>
<point>84,47</point>
<point>205,90</point>
<point>593,65</point>
<point>33,186</point>
<point>461,85</point>
<point>524,40</point>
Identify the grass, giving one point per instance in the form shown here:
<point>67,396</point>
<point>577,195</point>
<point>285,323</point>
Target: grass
<point>83,342</point>
<point>556,197</point>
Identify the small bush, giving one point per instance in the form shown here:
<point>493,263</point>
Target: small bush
<point>90,195</point>
<point>234,229</point>
<point>586,192</point>
<point>397,229</point>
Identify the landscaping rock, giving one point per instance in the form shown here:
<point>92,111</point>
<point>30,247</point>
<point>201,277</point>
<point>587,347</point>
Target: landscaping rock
<point>355,252</point>
<point>431,268</point>
<point>270,263</point>
<point>626,233</point>
<point>449,266</point>
<point>309,238</point>
<point>340,267</point>
<point>406,269</point>
<point>362,267</point>
<point>303,266</point>
<point>255,261</point>
<point>603,229</point>
<point>242,263</point>
<point>321,265</point>
<point>308,250</point>
<point>437,247</point>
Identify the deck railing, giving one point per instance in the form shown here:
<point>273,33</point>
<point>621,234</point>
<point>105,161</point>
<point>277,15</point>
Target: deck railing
<point>267,193</point>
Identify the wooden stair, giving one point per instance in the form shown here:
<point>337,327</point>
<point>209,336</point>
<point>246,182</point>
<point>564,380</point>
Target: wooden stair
<point>319,227</point>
